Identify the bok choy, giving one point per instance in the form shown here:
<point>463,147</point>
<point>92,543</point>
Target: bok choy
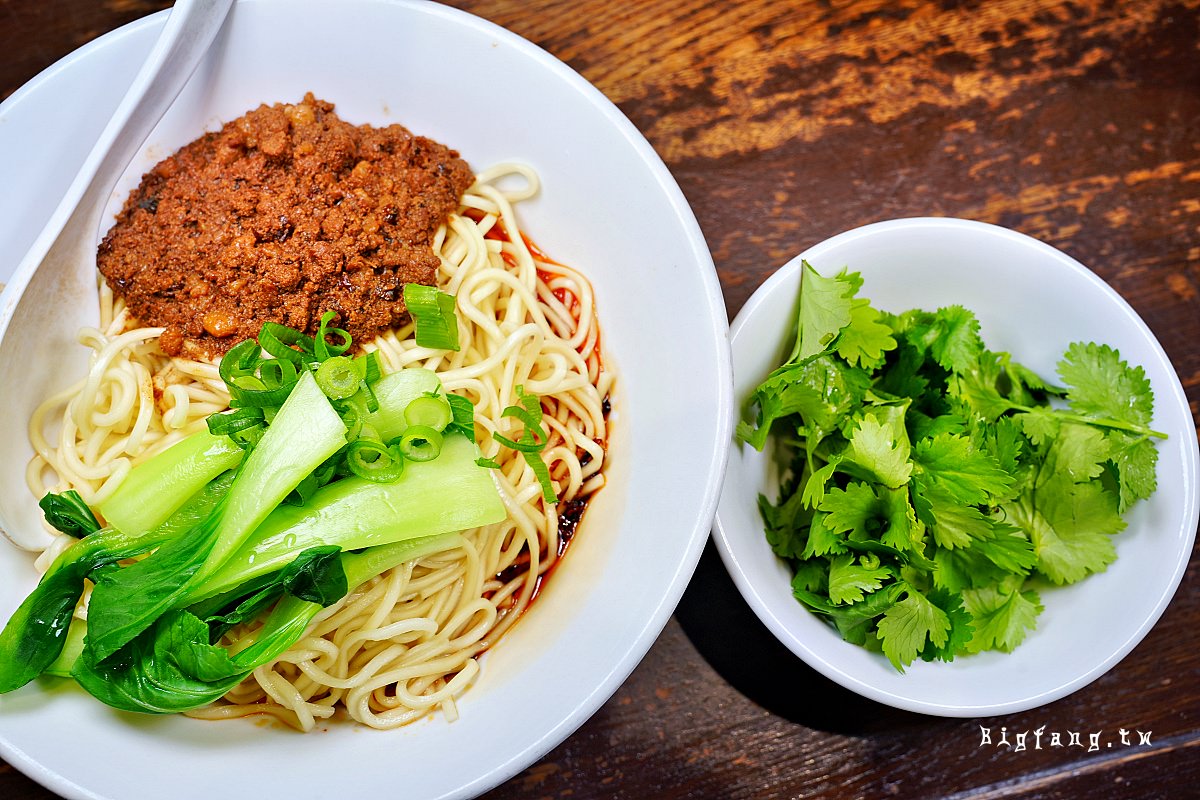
<point>253,519</point>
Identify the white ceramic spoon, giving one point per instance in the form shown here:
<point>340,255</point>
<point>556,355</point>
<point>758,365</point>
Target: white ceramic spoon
<point>47,275</point>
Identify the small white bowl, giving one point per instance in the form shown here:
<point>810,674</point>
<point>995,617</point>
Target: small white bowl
<point>1032,301</point>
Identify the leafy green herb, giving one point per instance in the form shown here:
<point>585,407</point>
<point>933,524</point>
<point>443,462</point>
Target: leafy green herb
<point>931,483</point>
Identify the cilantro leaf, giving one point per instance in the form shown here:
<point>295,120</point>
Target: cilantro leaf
<point>930,478</point>
<point>963,568</point>
<point>962,627</point>
<point>1078,450</point>
<point>958,346</point>
<point>1039,424</point>
<point>850,577</point>
<point>908,625</point>
<point>1008,548</point>
<point>784,525</point>
<point>851,510</point>
<point>824,309</point>
<point>820,390</point>
<point>822,541</point>
<point>1134,458</point>
<point>903,530</point>
<point>811,576</point>
<point>856,622</point>
<point>1100,384</point>
<point>865,339</point>
<point>1069,527</point>
<point>1002,618</point>
<point>979,394</point>
<point>966,473</point>
<point>880,446</point>
<point>815,487</point>
<point>952,522</point>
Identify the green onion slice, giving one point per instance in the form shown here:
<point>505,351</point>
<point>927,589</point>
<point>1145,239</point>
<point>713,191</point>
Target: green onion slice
<point>532,440</point>
<point>321,345</point>
<point>420,443</point>
<point>431,411</point>
<point>231,422</point>
<point>282,341</point>
<point>368,366</point>
<point>338,378</point>
<point>375,461</point>
<point>433,315</point>
<point>240,361</point>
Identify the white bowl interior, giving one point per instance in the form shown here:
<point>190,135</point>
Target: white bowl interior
<point>1032,301</point>
<point>608,206</point>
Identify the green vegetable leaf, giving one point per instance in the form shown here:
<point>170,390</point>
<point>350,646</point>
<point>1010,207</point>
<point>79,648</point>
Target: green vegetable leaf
<point>1070,528</point>
<point>865,340</point>
<point>815,487</point>
<point>949,519</point>
<point>1135,458</point>
<point>822,541</point>
<point>979,394</point>
<point>880,445</point>
<point>903,530</point>
<point>811,576</point>
<point>1008,548</point>
<point>957,346</point>
<point>821,390</point>
<point>962,628</point>
<point>966,473</point>
<point>315,575</point>
<point>68,513</point>
<point>785,525</point>
<point>908,625</point>
<point>532,441</point>
<point>1100,384</point>
<point>1079,451</point>
<point>463,420</point>
<point>1039,424</point>
<point>36,632</point>
<point>851,577</point>
<point>856,622</point>
<point>854,509</point>
<point>1002,618</point>
<point>825,305</point>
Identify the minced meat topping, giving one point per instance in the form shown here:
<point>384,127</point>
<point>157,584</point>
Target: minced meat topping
<point>283,214</point>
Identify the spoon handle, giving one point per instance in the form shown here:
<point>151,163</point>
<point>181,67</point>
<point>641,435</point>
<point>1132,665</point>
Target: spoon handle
<point>59,269</point>
<point>185,38</point>
<point>189,31</point>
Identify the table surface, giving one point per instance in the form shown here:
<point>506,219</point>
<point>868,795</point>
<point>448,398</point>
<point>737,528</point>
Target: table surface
<point>787,122</point>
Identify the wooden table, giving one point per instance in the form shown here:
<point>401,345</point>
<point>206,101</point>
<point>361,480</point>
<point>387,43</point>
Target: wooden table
<point>786,122</point>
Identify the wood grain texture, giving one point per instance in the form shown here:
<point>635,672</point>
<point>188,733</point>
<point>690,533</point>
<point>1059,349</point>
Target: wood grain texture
<point>787,122</point>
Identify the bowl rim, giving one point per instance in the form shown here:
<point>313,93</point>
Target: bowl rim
<point>813,657</point>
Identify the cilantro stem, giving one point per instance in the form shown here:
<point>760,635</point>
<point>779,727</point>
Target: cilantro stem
<point>1103,422</point>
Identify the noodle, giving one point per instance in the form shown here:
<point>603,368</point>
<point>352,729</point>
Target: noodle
<point>406,642</point>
